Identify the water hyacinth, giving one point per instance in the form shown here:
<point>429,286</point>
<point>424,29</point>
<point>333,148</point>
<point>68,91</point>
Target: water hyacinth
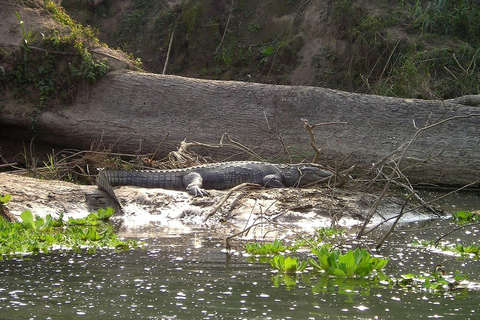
<point>354,263</point>
<point>35,234</point>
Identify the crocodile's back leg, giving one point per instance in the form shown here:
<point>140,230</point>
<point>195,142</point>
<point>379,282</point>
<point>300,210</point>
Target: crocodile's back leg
<point>193,182</point>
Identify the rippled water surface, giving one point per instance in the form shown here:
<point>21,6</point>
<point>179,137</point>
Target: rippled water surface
<point>182,278</point>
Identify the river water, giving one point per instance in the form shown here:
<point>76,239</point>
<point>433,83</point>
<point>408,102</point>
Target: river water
<point>191,277</point>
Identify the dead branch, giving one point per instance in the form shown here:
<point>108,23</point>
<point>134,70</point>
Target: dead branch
<point>229,193</point>
<point>226,28</point>
<point>169,49</point>
<point>279,136</point>
<point>394,224</point>
<point>307,126</point>
<point>396,169</point>
<point>454,230</point>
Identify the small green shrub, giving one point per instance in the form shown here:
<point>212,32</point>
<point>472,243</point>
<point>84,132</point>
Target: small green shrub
<point>5,199</point>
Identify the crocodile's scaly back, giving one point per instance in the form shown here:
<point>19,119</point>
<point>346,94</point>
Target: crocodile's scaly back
<point>214,176</point>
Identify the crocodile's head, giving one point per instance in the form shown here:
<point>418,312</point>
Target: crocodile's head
<point>304,174</point>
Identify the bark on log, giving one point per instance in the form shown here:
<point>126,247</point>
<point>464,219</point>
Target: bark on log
<point>134,111</point>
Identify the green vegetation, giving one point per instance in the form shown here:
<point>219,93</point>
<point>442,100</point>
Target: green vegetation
<point>462,217</point>
<point>356,262</point>
<point>439,58</point>
<point>434,282</point>
<point>34,234</point>
<point>288,265</point>
<point>320,237</point>
<point>51,71</point>
<point>406,48</point>
<point>472,250</point>
<point>273,248</point>
<point>5,199</point>
<point>351,273</point>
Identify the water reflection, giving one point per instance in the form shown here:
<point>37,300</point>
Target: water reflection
<point>172,279</point>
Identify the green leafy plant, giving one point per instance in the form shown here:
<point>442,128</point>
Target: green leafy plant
<point>322,235</point>
<point>356,262</point>
<point>471,250</point>
<point>462,217</point>
<point>27,36</point>
<point>5,199</point>
<point>437,281</point>
<point>56,68</point>
<point>267,52</point>
<point>272,248</point>
<point>287,264</point>
<point>36,234</point>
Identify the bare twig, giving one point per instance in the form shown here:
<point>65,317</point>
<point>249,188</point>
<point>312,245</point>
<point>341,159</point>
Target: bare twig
<point>313,143</point>
<point>226,28</point>
<point>169,49</point>
<point>279,136</point>
<point>395,170</point>
<point>394,224</point>
<point>229,193</point>
<point>455,229</point>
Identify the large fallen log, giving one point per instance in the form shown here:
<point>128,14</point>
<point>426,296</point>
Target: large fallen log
<point>135,111</point>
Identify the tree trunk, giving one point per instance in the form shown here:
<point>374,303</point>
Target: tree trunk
<point>134,112</point>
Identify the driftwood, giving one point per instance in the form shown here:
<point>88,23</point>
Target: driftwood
<point>131,110</point>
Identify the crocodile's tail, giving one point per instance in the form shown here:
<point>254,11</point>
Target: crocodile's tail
<point>103,183</point>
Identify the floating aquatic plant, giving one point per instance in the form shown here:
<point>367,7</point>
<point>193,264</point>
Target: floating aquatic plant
<point>320,236</point>
<point>356,262</point>
<point>462,217</point>
<point>287,264</point>
<point>36,234</point>
<point>270,248</point>
<point>472,250</point>
<point>437,281</point>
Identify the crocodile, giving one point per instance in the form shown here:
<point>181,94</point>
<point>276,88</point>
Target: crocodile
<point>196,180</point>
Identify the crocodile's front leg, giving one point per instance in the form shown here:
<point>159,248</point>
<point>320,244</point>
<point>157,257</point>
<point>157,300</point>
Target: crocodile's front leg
<point>273,181</point>
<point>193,182</point>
